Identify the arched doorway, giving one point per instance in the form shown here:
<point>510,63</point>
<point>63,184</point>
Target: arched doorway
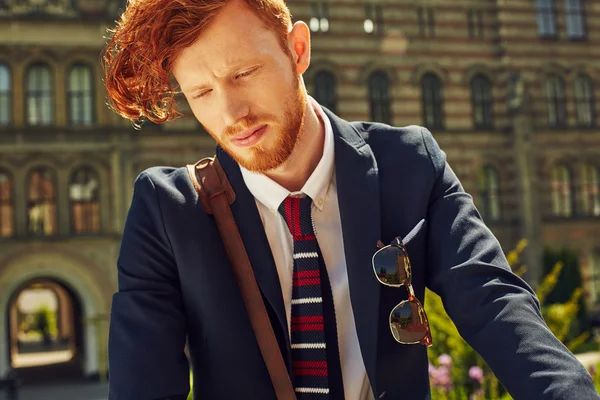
<point>45,334</point>
<point>88,284</point>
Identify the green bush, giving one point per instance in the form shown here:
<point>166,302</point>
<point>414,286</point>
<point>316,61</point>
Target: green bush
<point>560,316</point>
<point>44,321</point>
<point>568,282</point>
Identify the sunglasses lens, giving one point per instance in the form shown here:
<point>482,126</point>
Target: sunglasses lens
<point>408,322</point>
<point>391,266</point>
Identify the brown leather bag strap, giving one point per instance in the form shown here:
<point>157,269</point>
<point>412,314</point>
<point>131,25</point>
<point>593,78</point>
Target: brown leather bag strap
<point>216,194</point>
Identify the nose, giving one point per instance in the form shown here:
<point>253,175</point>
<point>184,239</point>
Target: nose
<point>234,108</point>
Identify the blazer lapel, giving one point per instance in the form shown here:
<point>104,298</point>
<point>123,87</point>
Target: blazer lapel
<point>255,240</point>
<point>358,197</point>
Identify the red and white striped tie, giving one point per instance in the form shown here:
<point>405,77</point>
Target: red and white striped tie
<point>311,369</point>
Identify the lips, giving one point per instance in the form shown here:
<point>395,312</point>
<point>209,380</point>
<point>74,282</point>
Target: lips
<point>249,137</point>
<point>247,133</point>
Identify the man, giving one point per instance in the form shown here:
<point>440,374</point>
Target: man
<point>239,64</point>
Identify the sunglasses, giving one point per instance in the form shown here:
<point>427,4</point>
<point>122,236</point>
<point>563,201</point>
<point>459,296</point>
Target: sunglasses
<point>408,321</point>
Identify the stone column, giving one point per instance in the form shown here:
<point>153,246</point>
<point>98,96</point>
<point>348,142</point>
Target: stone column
<point>63,210</point>
<point>117,181</point>
<point>525,156</point>
<point>60,108</point>
<point>21,202</point>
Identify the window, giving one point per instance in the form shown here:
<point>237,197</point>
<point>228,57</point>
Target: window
<point>576,28</point>
<point>557,108</point>
<point>590,190</point>
<point>426,21</point>
<point>373,19</point>
<point>475,22</point>
<point>431,88</point>
<point>320,17</point>
<point>481,97</point>
<point>562,192</point>
<point>5,94</point>
<point>6,205</point>
<point>489,193</point>
<point>584,99</point>
<point>39,95</point>
<point>80,95</point>
<point>84,188</point>
<point>324,89</point>
<point>379,97</point>
<point>546,18</point>
<point>41,202</point>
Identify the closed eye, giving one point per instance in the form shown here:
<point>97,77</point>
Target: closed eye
<point>247,73</point>
<point>202,94</point>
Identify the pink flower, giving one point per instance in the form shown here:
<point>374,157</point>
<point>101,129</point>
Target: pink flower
<point>432,371</point>
<point>445,360</point>
<point>441,378</point>
<point>476,374</point>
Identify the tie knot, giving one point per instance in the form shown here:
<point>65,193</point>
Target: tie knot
<point>297,213</point>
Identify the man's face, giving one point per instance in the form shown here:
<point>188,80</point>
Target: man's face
<point>244,89</point>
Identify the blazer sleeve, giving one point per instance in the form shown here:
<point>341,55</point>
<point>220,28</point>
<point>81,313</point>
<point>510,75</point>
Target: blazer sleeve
<point>495,311</point>
<point>147,325</point>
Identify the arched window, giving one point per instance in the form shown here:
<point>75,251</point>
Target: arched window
<point>433,113</point>
<point>80,95</point>
<point>590,190</point>
<point>41,202</point>
<point>481,97</point>
<point>489,193</point>
<point>557,108</point>
<point>379,97</point>
<point>5,95</point>
<point>562,191</point>
<point>6,205</point>
<point>325,90</point>
<point>84,196</point>
<point>584,101</point>
<point>39,92</point>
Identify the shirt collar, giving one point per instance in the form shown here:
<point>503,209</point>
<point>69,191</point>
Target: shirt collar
<point>271,194</point>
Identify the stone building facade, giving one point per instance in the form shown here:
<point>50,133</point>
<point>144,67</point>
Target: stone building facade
<point>506,86</point>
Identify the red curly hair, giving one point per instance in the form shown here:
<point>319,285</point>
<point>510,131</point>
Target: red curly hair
<point>148,38</point>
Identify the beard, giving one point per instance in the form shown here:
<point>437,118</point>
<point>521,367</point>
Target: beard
<point>278,143</point>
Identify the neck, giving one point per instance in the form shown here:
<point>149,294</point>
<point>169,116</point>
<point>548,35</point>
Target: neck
<point>306,155</point>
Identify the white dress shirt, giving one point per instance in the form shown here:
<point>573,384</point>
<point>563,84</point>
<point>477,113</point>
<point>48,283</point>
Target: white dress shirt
<point>321,187</point>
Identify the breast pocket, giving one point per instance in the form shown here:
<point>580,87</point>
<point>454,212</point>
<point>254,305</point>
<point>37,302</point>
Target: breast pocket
<point>415,242</point>
<point>413,232</point>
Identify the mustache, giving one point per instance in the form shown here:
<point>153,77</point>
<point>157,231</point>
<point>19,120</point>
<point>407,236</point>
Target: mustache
<point>245,124</point>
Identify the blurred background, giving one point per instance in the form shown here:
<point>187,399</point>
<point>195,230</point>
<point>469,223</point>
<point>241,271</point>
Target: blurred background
<point>508,88</point>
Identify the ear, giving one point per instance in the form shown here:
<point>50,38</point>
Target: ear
<point>299,45</point>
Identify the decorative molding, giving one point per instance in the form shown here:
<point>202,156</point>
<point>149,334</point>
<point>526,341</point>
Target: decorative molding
<point>373,66</point>
<point>18,8</point>
<point>322,65</point>
<point>435,68</point>
<point>489,71</point>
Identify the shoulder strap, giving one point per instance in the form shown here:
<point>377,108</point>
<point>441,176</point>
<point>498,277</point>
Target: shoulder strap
<point>216,195</point>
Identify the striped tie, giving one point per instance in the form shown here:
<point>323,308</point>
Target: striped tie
<point>313,329</point>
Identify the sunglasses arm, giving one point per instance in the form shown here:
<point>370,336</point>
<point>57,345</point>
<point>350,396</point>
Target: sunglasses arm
<point>411,292</point>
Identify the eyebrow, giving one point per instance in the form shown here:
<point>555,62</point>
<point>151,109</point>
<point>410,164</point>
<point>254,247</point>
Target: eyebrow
<point>196,88</point>
<point>238,66</point>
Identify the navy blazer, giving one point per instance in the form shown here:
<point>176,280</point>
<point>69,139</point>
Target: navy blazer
<point>175,281</point>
